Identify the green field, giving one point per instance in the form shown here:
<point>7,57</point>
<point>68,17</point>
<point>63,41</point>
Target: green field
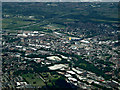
<point>100,20</point>
<point>50,79</point>
<point>13,23</point>
<point>33,79</point>
<point>54,26</point>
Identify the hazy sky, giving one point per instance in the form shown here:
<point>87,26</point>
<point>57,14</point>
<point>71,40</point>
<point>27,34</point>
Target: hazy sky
<point>58,0</point>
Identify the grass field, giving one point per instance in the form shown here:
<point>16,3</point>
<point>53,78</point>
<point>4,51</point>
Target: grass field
<point>50,79</point>
<point>13,23</point>
<point>54,26</point>
<point>100,20</point>
<point>34,79</point>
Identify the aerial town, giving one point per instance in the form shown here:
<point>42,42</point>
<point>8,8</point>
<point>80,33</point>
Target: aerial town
<point>81,54</point>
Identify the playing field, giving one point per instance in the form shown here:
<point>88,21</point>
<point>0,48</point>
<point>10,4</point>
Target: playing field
<point>34,79</point>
